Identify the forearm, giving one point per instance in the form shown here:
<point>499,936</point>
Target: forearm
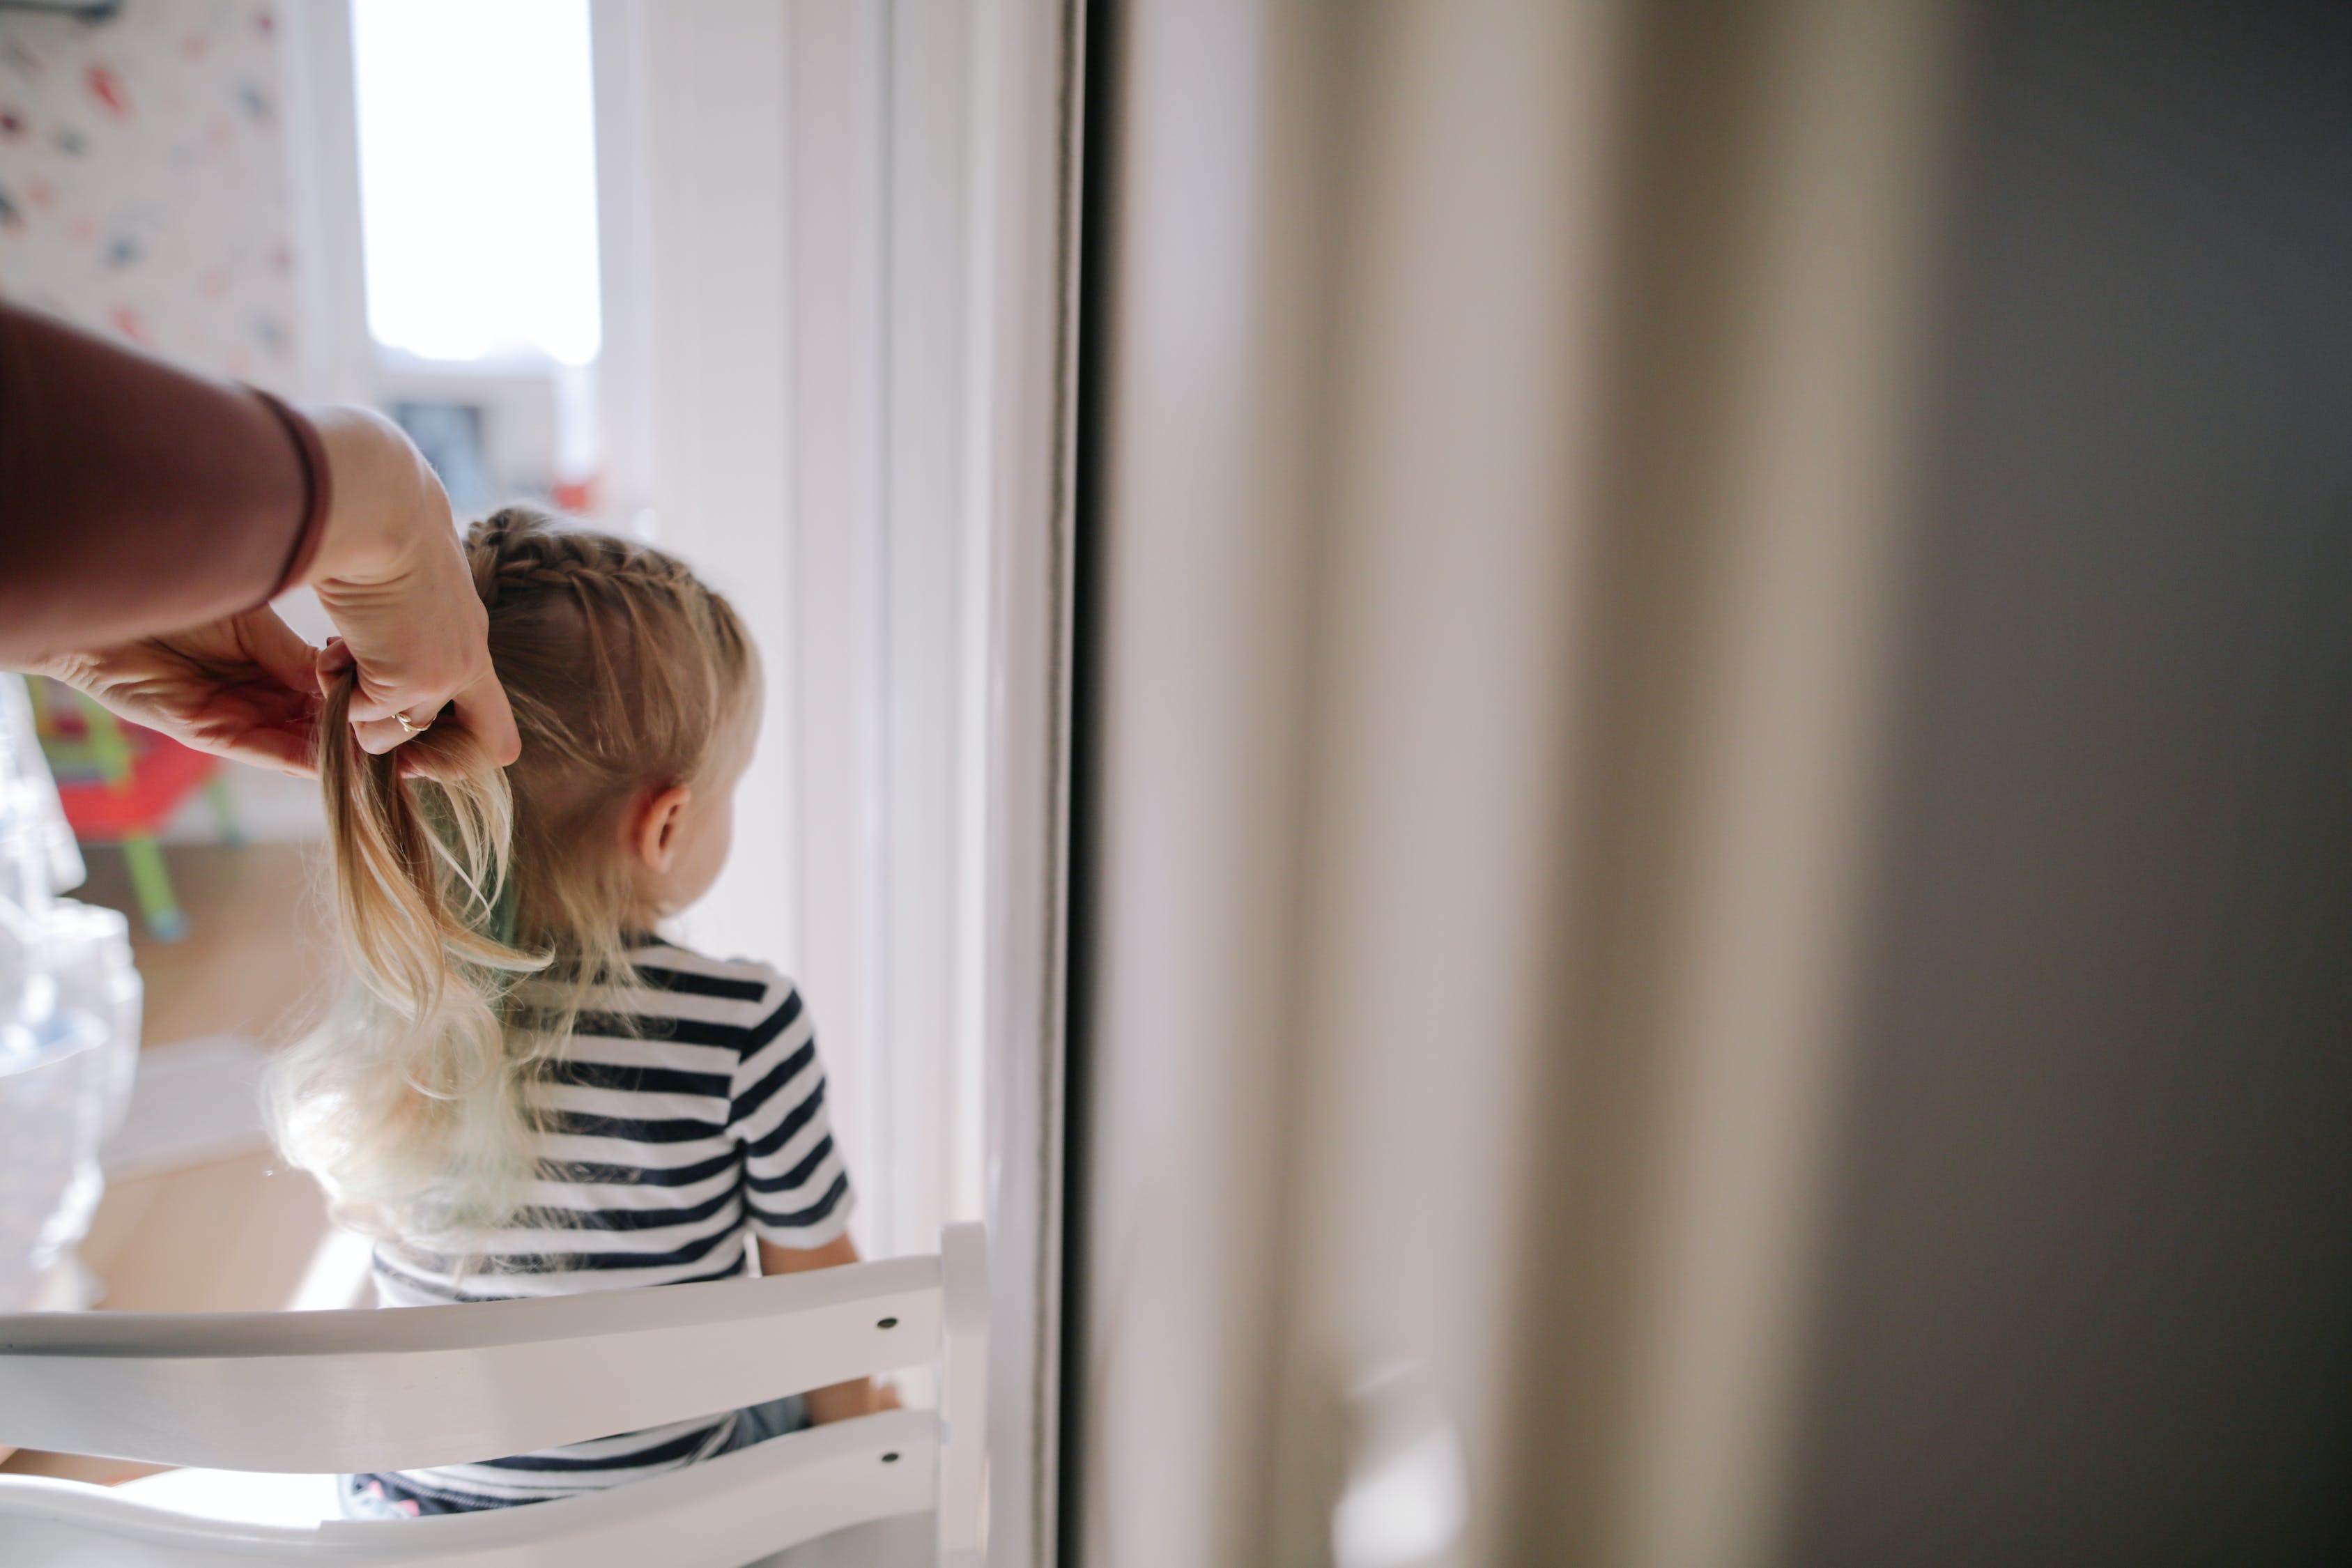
<point>844,1401</point>
<point>136,498</point>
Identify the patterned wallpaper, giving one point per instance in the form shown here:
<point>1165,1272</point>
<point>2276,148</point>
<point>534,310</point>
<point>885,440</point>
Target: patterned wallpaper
<point>142,186</point>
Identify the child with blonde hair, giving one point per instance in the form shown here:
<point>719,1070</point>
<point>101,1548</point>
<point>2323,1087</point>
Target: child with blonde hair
<point>526,1092</point>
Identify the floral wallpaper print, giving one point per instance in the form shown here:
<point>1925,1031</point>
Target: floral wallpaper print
<point>142,186</point>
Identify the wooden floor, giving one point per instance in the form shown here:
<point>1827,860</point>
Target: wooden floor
<point>239,1233</point>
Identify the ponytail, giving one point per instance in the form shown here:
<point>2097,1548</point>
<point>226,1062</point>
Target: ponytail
<point>405,1102</point>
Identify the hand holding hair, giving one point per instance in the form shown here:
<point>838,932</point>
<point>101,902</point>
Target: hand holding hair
<point>390,572</point>
<point>149,514</point>
<point>241,687</point>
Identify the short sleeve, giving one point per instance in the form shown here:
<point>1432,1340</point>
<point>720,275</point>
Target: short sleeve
<point>797,1191</point>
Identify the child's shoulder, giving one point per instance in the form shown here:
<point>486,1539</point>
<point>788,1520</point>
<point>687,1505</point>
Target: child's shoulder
<point>738,991</point>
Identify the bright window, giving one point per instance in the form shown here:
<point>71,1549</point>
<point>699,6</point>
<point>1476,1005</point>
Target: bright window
<point>478,177</point>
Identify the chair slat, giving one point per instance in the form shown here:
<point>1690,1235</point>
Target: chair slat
<point>721,1513</point>
<point>433,1386</point>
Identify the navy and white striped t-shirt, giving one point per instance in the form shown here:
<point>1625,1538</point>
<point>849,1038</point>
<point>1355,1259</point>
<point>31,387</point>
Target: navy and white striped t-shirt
<point>684,1109</point>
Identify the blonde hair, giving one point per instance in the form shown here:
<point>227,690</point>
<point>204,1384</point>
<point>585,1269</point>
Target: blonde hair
<point>476,906</point>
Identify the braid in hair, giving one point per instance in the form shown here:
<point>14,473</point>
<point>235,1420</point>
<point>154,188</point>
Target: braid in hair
<point>623,670</point>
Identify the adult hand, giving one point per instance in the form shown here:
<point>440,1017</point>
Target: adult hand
<point>244,688</point>
<point>393,578</point>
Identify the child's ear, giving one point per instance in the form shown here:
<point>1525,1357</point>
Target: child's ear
<point>654,826</point>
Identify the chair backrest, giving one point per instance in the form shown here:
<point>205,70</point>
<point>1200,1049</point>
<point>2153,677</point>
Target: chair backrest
<point>356,1390</point>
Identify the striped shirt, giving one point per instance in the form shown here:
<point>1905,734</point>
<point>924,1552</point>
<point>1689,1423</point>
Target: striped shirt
<point>686,1110</point>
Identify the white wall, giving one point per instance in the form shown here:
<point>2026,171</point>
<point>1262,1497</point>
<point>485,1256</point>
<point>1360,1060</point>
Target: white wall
<point>143,187</point>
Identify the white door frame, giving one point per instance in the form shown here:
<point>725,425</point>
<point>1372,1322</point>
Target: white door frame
<point>1036,51</point>
<point>844,242</point>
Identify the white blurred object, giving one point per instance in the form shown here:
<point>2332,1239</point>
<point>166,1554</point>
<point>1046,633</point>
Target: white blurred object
<point>239,1496</point>
<point>35,831</point>
<point>69,1004</point>
<point>1407,1494</point>
<point>197,1100</point>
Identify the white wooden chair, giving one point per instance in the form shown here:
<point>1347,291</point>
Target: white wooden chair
<point>360,1391</point>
